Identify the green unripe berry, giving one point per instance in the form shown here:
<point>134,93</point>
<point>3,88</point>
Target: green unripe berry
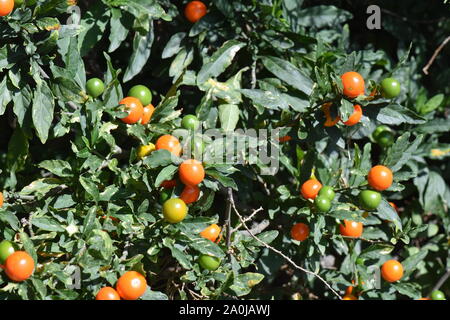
<point>190,122</point>
<point>327,192</point>
<point>323,204</point>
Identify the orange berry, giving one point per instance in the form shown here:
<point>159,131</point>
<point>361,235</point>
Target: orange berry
<point>19,266</point>
<point>353,84</point>
<point>131,285</point>
<point>380,178</point>
<point>190,194</point>
<point>355,117</point>
<point>211,232</point>
<point>194,11</point>
<point>310,189</point>
<point>191,172</point>
<point>299,232</point>
<point>284,139</point>
<point>169,143</point>
<point>107,293</point>
<point>349,297</point>
<point>351,229</point>
<point>392,270</point>
<point>147,114</point>
<point>393,205</point>
<point>329,121</point>
<point>6,7</point>
<point>169,184</point>
<point>134,108</point>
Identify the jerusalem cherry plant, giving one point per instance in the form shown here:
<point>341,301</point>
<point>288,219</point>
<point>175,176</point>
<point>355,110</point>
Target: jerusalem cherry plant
<point>155,149</point>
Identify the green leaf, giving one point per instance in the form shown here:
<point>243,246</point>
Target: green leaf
<point>42,112</point>
<point>93,25</point>
<point>375,250</point>
<point>58,167</point>
<point>219,61</point>
<point>322,16</point>
<point>174,45</point>
<point>90,187</point>
<point>411,289</point>
<point>158,158</point>
<point>165,174</point>
<point>118,30</point>
<point>396,114</point>
<point>386,212</point>
<point>224,180</point>
<point>401,151</point>
<point>141,52</point>
<point>28,246</point>
<point>5,97</point>
<point>243,283</point>
<point>229,116</point>
<point>10,219</point>
<point>47,224</point>
<point>432,104</point>
<point>154,295</point>
<point>289,73</point>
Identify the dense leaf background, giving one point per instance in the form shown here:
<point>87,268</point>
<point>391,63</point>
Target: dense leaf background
<point>78,200</point>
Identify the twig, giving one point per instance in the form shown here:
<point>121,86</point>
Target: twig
<point>257,229</point>
<point>441,281</point>
<point>26,223</point>
<point>253,82</point>
<point>250,217</point>
<point>72,105</point>
<point>125,248</point>
<point>433,57</point>
<point>228,216</point>
<point>281,253</point>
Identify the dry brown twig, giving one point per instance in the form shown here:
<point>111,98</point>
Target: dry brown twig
<point>435,54</point>
<point>296,266</point>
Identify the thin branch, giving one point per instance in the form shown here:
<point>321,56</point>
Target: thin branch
<point>435,54</point>
<point>72,105</point>
<point>228,216</point>
<point>250,217</point>
<point>441,281</point>
<point>281,253</point>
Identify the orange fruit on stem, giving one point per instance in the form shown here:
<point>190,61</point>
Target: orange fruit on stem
<point>284,139</point>
<point>329,121</point>
<point>107,293</point>
<point>19,266</point>
<point>1,199</point>
<point>380,177</point>
<point>299,231</point>
<point>190,194</point>
<point>393,205</point>
<point>211,232</point>
<point>131,285</point>
<point>170,143</point>
<point>353,84</point>
<point>191,172</point>
<point>194,11</point>
<point>147,114</point>
<point>134,108</point>
<point>392,271</point>
<point>169,184</point>
<point>349,297</point>
<point>355,117</point>
<point>351,229</point>
<point>310,189</point>
<point>6,7</point>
